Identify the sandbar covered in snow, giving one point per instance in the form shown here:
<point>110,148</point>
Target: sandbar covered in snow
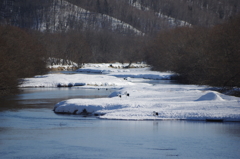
<point>186,102</point>
<point>96,75</point>
<point>139,101</point>
<point>64,80</point>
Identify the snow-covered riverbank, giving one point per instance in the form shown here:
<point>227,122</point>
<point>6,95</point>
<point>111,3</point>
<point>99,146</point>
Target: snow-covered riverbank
<point>138,101</point>
<point>188,102</point>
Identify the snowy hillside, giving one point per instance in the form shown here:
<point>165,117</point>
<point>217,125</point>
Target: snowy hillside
<point>134,16</point>
<point>64,15</point>
<point>172,21</point>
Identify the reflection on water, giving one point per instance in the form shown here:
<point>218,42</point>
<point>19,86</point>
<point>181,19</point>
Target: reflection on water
<point>74,92</point>
<point>48,97</point>
<point>154,82</point>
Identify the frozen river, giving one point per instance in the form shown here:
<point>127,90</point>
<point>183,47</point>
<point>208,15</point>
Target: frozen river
<point>30,129</point>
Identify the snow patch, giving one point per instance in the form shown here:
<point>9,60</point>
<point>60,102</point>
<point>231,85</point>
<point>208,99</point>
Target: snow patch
<point>77,106</point>
<point>210,96</point>
<point>173,21</point>
<point>65,80</point>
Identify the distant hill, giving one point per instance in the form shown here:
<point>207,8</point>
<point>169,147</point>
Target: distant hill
<point>58,15</point>
<point>125,16</point>
<point>195,12</point>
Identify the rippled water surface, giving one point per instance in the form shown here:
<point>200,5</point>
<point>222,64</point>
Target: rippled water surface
<point>30,129</point>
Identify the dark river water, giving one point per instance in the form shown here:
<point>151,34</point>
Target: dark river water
<point>30,129</point>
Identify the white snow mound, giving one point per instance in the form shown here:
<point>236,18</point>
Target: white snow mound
<point>210,96</point>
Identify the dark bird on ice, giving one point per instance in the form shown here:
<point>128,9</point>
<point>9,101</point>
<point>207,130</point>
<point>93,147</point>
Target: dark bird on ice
<point>155,113</point>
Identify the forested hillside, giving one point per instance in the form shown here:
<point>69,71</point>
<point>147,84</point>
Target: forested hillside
<point>195,12</point>
<point>127,31</point>
<point>147,16</point>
